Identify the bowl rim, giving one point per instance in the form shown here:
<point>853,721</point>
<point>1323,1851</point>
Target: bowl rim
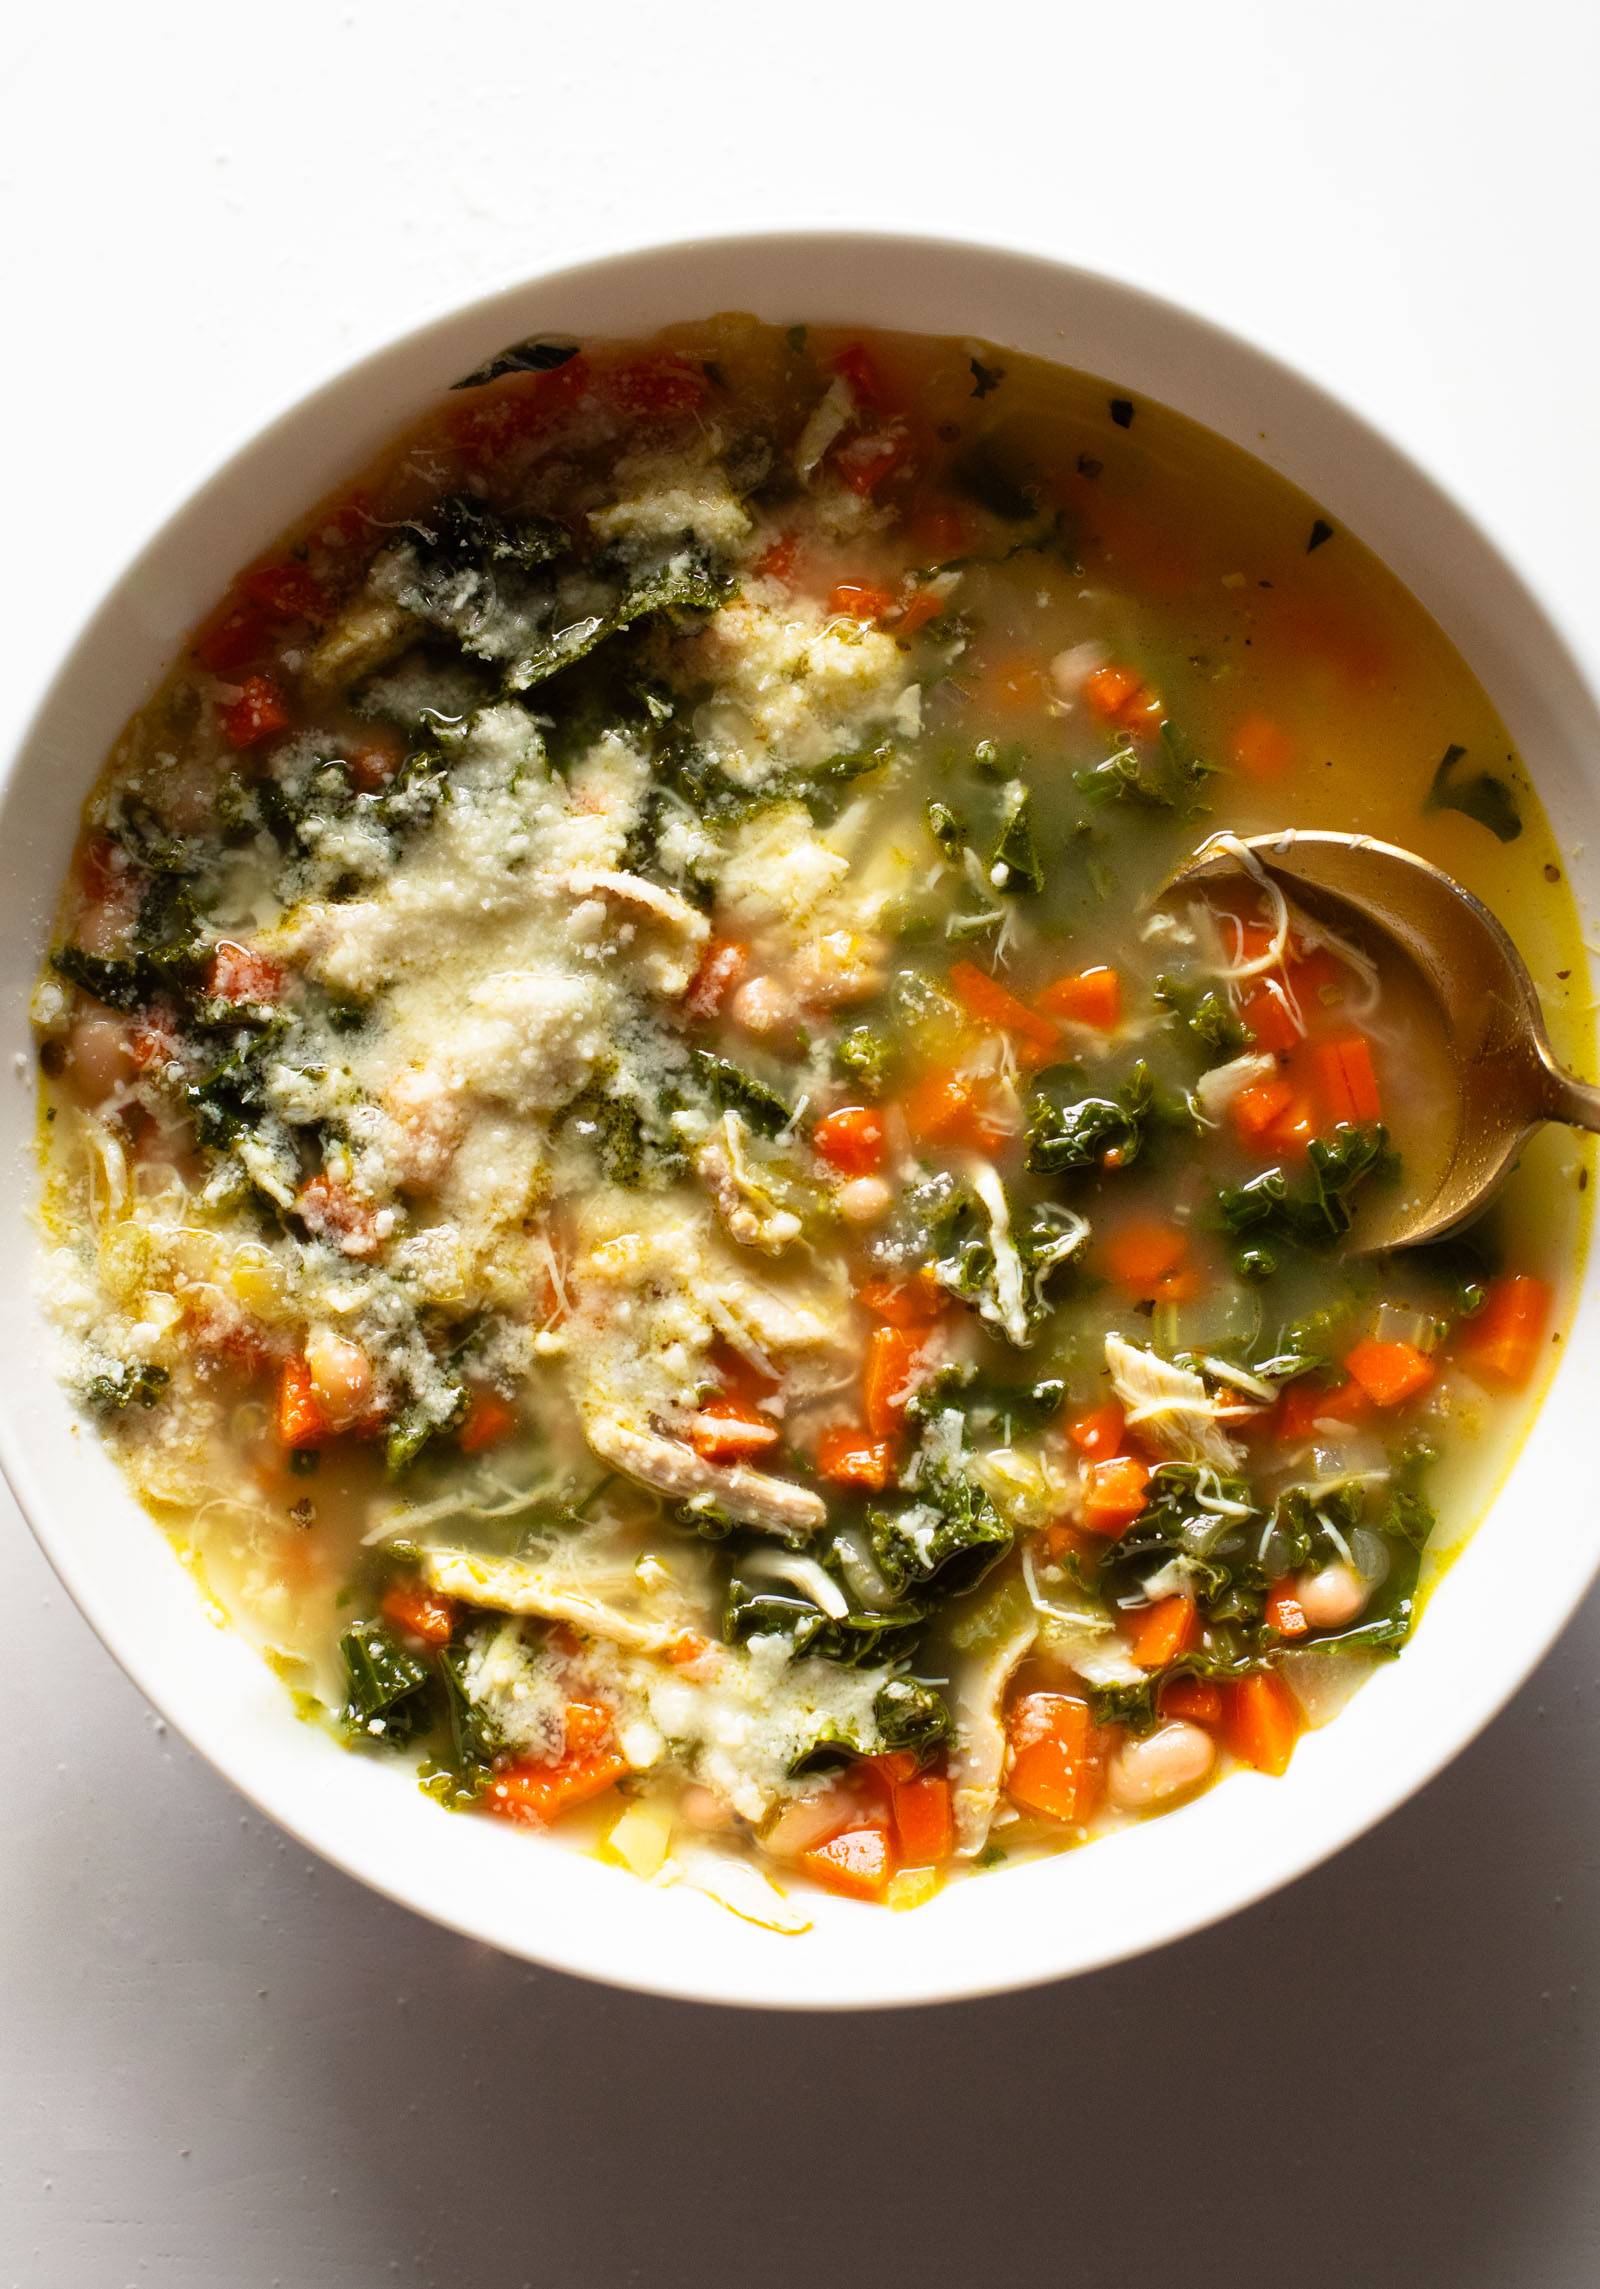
<point>957,1980</point>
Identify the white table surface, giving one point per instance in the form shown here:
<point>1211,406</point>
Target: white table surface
<point>221,2065</point>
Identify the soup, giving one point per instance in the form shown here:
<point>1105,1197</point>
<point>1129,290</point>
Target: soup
<point>642,1168</point>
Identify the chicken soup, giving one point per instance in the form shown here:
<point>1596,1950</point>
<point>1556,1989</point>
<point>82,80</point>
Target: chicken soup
<point>642,1169</point>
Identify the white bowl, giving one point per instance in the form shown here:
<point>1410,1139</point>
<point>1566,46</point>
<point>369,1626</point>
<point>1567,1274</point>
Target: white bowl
<point>530,1895</point>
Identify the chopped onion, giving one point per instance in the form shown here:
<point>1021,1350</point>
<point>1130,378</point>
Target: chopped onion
<point>1399,1323</point>
<point>1322,1682</point>
<point>1369,1554</point>
<point>738,1886</point>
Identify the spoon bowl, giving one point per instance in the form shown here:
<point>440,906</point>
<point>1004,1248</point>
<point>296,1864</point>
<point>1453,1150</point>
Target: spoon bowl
<point>1508,1078</point>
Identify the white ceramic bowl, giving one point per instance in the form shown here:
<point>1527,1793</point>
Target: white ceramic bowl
<point>531,1896</point>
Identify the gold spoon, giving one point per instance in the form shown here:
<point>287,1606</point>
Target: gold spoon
<point>1494,1027</point>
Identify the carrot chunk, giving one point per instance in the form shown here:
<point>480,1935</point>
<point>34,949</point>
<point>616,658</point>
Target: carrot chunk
<point>1088,997</point>
<point>535,1794</point>
<point>885,1378</point>
<point>952,1109</point>
<point>1271,1022</point>
<point>915,1302</point>
<point>1503,1341</point>
<point>1389,1373</point>
<point>1256,1108</point>
<point>861,600</point>
<point>1141,1255</point>
<point>1195,1699</point>
<point>850,1140</point>
<point>991,1003</point>
<point>239,973</point>
<point>919,1807</point>
<point>259,712</point>
<point>1114,1494</point>
<point>1164,1630</point>
<point>1284,1611</point>
<point>856,1862</point>
<point>722,965</point>
<point>420,1612</point>
<point>300,1418</point>
<point>1120,697</point>
<point>1098,1434</point>
<point>1349,1081</point>
<point>487,1421</point>
<point>1262,749</point>
<point>1055,1764</point>
<point>1261,1721</point>
<point>730,1429</point>
<point>1308,1402</point>
<point>853,1457</point>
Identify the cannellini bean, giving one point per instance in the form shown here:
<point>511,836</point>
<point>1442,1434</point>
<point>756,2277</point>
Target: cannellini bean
<point>863,1200</point>
<point>1161,1765</point>
<point>1332,1596</point>
<point>341,1376</point>
<point>702,1808</point>
<point>762,1006</point>
<point>98,1052</point>
<point>801,1824</point>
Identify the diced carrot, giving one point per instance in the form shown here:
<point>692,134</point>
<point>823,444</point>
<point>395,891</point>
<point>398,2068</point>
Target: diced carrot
<point>861,600</point>
<point>491,421</point>
<point>487,1421</point>
<point>372,764</point>
<point>915,1302</point>
<point>850,1140</point>
<point>1089,997</point>
<point>1113,1494</point>
<point>1284,1611</point>
<point>776,562</point>
<point>1389,1373</point>
<point>1254,1110</point>
<point>1349,1082</point>
<point>1271,1022</point>
<point>239,973</point>
<point>728,1430</point>
<point>865,463</point>
<point>1504,1339</point>
<point>862,371</point>
<point>1262,749</point>
<point>921,607</point>
<point>1307,1402</point>
<point>1164,1630</point>
<point>289,591</point>
<point>1098,1434</point>
<point>1140,1255</point>
<point>1055,1764</point>
<point>1061,1539</point>
<point>420,1612</point>
<point>856,1862</point>
<point>1317,977</point>
<point>951,1109</point>
<point>300,1417</point>
<point>1261,1721</point>
<point>241,636</point>
<point>919,1806</point>
<point>535,1794</point>
<point>851,1457</point>
<point>1118,696</point>
<point>1291,1133</point>
<point>259,712</point>
<point>885,1379</point>
<point>722,965</point>
<point>1015,681</point>
<point>1195,1699</point>
<point>658,383</point>
<point>991,1003</point>
<point>938,532</point>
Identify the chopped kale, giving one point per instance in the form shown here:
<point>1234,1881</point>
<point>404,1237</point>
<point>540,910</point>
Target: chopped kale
<point>1206,1014</point>
<point>1481,795</point>
<point>1321,531</point>
<point>387,1685</point>
<point>1015,851</point>
<point>415,1428</point>
<point>131,981</point>
<point>462,535</point>
<point>950,1534</point>
<point>1012,1407</point>
<point>229,1096</point>
<point>912,1716</point>
<point>1066,1132</point>
<point>947,830</point>
<point>732,1090</point>
<point>985,378</point>
<point>1164,774</point>
<point>125,1385</point>
<point>521,358</point>
<point>1121,409</point>
<point>868,1056</point>
<point>631,1151</point>
<point>459,1779</point>
<point>883,1636</point>
<point>1267,1213</point>
<point>960,1244</point>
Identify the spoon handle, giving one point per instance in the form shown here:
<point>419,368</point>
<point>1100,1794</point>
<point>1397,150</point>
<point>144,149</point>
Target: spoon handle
<point>1570,1100</point>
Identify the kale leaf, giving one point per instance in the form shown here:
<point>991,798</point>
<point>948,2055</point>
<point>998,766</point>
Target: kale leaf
<point>1083,1132</point>
<point>1266,1213</point>
<point>387,1685</point>
<point>1016,850</point>
<point>885,1635</point>
<point>732,1090</point>
<point>1166,774</point>
<point>522,358</point>
<point>1481,795</point>
<point>125,1385</point>
<point>1206,1014</point>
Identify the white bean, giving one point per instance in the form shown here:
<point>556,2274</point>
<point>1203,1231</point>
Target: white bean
<point>863,1200</point>
<point>341,1376</point>
<point>99,1059</point>
<point>1164,1763</point>
<point>763,1007</point>
<point>1332,1596</point>
<point>703,1808</point>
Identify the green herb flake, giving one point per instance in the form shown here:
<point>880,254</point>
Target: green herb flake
<point>1479,795</point>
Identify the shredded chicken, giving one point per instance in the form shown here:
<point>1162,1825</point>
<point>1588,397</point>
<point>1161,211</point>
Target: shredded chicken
<point>515,1585</point>
<point>775,1505</point>
<point>1170,1406</point>
<point>678,929</point>
<point>977,1760</point>
<point>749,1213</point>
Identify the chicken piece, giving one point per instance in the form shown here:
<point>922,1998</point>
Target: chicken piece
<point>678,931</point>
<point>978,1757</point>
<point>364,636</point>
<point>1169,1406</point>
<point>774,1505</point>
<point>748,1211</point>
